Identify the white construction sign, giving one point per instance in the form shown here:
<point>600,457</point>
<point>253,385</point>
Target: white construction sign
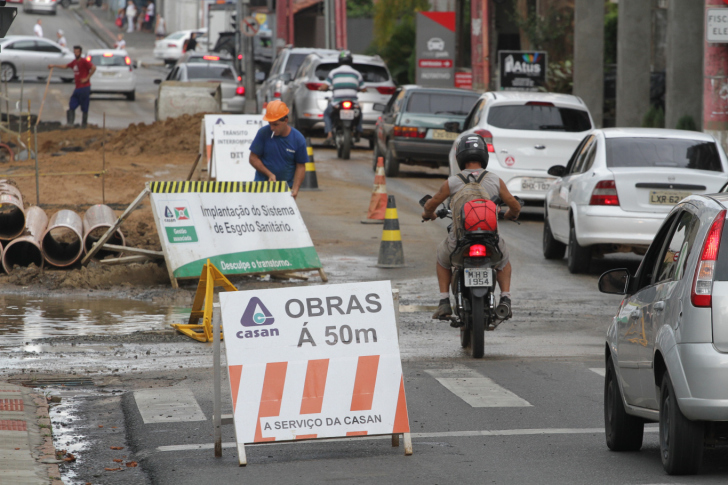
<point>241,227</point>
<point>314,362</point>
<point>207,130</point>
<point>231,152</point>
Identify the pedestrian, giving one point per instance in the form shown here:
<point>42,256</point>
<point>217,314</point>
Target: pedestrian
<point>149,17</point>
<point>120,43</point>
<point>61,39</point>
<point>83,69</point>
<point>131,12</point>
<point>160,31</point>
<point>279,152</point>
<point>190,44</point>
<point>37,29</point>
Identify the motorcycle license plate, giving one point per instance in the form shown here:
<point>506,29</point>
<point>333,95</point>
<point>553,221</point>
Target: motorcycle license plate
<point>346,114</point>
<point>478,277</point>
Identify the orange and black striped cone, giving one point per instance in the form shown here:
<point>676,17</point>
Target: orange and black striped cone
<point>391,253</point>
<point>310,181</point>
<point>378,202</point>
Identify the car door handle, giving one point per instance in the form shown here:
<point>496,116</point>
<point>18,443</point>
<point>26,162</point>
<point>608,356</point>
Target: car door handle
<point>659,306</point>
<point>635,314</point>
<point>539,147</point>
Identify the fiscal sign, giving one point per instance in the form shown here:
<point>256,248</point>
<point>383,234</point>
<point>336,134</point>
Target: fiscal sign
<point>231,152</point>
<point>207,130</point>
<point>314,362</point>
<point>241,227</point>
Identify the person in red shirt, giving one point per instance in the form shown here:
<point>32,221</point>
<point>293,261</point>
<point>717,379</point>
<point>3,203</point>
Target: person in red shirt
<point>83,69</point>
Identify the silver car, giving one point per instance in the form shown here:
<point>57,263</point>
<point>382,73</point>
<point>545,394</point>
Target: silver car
<point>29,55</point>
<point>233,93</point>
<point>307,103</point>
<point>283,71</point>
<point>49,6</point>
<point>667,347</point>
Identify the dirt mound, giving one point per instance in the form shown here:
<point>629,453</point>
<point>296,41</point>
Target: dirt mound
<point>159,138</point>
<point>94,276</point>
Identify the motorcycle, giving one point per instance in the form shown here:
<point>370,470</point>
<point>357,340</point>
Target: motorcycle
<point>473,282</point>
<point>345,117</point>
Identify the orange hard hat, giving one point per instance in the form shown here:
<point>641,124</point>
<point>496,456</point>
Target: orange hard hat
<point>275,111</point>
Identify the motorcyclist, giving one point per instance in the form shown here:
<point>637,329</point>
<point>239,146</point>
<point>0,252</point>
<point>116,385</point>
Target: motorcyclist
<point>345,82</point>
<point>472,158</point>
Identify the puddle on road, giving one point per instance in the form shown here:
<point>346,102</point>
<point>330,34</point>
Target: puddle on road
<point>24,319</point>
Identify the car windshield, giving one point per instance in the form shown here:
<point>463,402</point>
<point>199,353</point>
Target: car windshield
<point>210,71</point>
<point>104,61</point>
<point>175,36</point>
<point>663,152</point>
<point>539,117</point>
<point>371,73</point>
<point>294,60</point>
<point>441,103</point>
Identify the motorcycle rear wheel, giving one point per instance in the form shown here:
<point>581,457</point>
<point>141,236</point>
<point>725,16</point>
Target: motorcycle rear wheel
<point>346,144</point>
<point>477,327</point>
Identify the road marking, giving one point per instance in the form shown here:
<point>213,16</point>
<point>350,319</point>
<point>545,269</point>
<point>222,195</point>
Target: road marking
<point>476,390</point>
<point>441,434</point>
<point>599,370</point>
<point>168,405</point>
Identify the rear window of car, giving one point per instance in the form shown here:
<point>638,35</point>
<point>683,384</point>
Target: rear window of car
<point>101,61</point>
<point>176,36</point>
<point>210,71</point>
<point>539,118</point>
<point>663,152</point>
<point>294,60</point>
<point>370,72</point>
<point>441,104</point>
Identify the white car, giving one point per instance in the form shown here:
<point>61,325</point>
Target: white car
<point>30,55</point>
<point>114,72</point>
<point>619,185</point>
<point>170,48</point>
<point>526,133</point>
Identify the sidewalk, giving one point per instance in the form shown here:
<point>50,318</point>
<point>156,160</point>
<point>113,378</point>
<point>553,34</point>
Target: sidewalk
<point>139,45</point>
<point>27,456</point>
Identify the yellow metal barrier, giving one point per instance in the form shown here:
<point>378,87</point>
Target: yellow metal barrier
<point>209,279</point>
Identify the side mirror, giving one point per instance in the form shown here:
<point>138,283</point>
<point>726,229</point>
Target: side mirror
<point>452,127</point>
<point>379,107</point>
<point>614,281</point>
<point>557,171</point>
<point>286,77</point>
<point>157,81</point>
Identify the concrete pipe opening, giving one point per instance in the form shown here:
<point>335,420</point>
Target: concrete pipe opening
<point>95,234</point>
<point>62,246</point>
<point>22,252</point>
<point>12,217</point>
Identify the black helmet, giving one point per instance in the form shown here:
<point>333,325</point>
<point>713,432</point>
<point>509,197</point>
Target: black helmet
<point>345,58</point>
<point>472,148</point>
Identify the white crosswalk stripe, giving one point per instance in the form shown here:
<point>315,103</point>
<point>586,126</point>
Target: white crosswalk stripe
<point>475,389</point>
<point>599,370</point>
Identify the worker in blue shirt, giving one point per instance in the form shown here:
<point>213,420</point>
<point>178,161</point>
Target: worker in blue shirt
<point>278,152</point>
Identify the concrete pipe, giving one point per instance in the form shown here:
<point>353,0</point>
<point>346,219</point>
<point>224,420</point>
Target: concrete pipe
<point>97,220</point>
<point>62,241</point>
<point>12,211</point>
<point>26,249</point>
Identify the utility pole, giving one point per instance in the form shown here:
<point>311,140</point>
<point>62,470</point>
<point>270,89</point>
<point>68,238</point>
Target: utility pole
<point>251,102</point>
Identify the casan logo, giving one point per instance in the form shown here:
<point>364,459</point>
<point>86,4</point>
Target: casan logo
<point>257,315</point>
<point>169,215</point>
<point>528,66</point>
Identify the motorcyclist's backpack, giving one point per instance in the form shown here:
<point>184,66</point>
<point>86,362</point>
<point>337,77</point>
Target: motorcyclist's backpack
<point>471,207</point>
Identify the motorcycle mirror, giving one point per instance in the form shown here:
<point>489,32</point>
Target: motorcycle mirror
<point>424,200</point>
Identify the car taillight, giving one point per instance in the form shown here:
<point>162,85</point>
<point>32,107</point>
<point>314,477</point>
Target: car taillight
<point>410,131</point>
<point>701,295</point>
<point>88,58</point>
<point>240,78</point>
<point>108,54</point>
<point>277,94</point>
<point>488,137</point>
<point>313,86</point>
<point>605,193</point>
<point>127,60</point>
<point>172,45</point>
<point>346,104</point>
<point>240,57</point>
<point>539,103</point>
<point>477,251</point>
<point>386,90</point>
<point>211,58</point>
<point>240,91</point>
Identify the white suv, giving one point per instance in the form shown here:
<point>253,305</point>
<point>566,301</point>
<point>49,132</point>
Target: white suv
<point>526,134</point>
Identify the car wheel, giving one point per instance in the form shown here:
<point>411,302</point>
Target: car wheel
<point>372,142</point>
<point>681,440</point>
<point>552,249</point>
<point>67,79</point>
<point>131,96</point>
<point>391,164</point>
<point>623,432</point>
<point>375,156</point>
<point>7,71</point>
<point>578,257</point>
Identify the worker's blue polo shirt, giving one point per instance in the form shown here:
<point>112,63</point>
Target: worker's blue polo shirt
<point>279,154</point>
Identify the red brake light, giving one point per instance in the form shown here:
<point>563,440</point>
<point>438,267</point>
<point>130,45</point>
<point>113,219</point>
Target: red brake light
<point>386,90</point>
<point>488,137</point>
<point>605,193</point>
<point>240,57</point>
<point>172,45</point>
<point>701,294</point>
<point>539,103</point>
<point>240,78</point>
<point>276,94</point>
<point>477,251</point>
<point>410,131</point>
<point>346,104</point>
<point>211,58</point>
<point>240,91</point>
<point>127,60</point>
<point>108,54</point>
<point>88,58</point>
<point>313,86</point>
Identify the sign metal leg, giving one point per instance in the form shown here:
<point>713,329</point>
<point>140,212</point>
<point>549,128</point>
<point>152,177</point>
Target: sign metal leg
<point>395,440</point>
<point>407,444</point>
<point>216,417</point>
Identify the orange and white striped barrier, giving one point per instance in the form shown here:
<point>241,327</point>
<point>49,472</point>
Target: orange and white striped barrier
<point>378,202</point>
<point>314,362</point>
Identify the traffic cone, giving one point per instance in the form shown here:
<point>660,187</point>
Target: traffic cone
<point>391,254</point>
<point>310,182</point>
<point>378,202</point>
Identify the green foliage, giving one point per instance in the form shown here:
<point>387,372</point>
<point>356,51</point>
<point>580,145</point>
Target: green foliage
<point>610,33</point>
<point>399,53</point>
<point>687,123</point>
<point>654,118</point>
<point>552,32</point>
<point>359,9</point>
<point>560,77</point>
<point>388,14</point>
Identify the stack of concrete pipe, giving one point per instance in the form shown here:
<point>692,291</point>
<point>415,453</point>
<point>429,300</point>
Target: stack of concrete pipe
<point>28,236</point>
